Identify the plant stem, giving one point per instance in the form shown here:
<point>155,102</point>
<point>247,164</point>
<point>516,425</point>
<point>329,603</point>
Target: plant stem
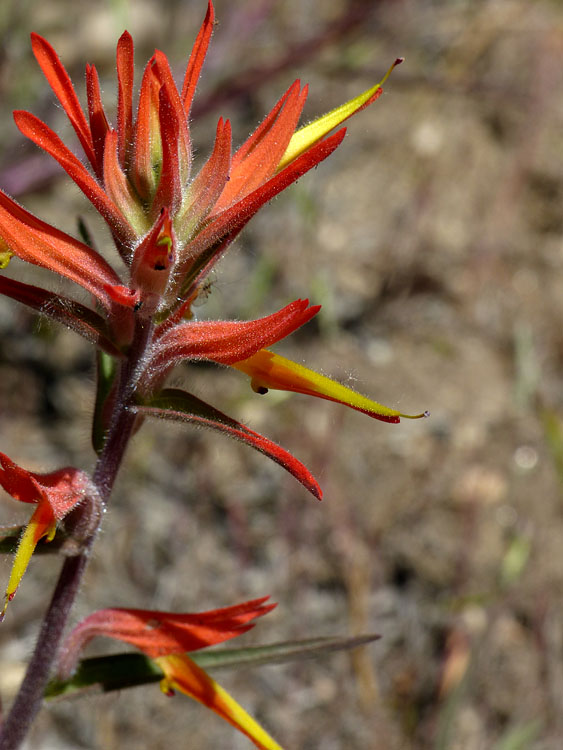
<point>123,422</point>
<point>30,696</point>
<point>28,700</point>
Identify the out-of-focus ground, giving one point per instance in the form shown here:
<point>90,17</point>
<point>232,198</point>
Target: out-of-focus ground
<point>434,240</point>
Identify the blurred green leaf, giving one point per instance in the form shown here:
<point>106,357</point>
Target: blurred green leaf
<point>515,560</point>
<point>553,431</point>
<point>446,724</point>
<point>526,365</point>
<point>520,737</point>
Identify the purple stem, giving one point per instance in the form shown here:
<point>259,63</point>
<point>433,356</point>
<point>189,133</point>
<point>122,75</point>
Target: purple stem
<point>28,700</point>
<point>30,696</point>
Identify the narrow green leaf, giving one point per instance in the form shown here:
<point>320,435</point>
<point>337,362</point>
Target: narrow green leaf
<point>184,406</point>
<point>119,671</point>
<point>106,369</point>
<point>106,673</point>
<point>278,653</point>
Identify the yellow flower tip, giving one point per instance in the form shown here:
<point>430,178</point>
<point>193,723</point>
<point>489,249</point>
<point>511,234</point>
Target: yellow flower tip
<point>5,257</point>
<point>398,61</point>
<point>41,525</point>
<point>7,600</point>
<point>183,674</point>
<point>167,688</point>
<point>268,370</point>
<point>308,135</point>
<point>416,416</point>
<point>50,533</point>
<point>164,241</point>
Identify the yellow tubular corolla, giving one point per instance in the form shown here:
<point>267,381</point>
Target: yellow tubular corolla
<point>309,134</point>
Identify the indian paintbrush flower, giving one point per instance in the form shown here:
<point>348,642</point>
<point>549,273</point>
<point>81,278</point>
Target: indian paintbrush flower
<point>165,637</point>
<point>55,495</point>
<point>170,224</point>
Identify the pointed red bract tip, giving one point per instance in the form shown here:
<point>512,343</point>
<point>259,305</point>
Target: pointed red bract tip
<point>123,295</point>
<point>125,37</point>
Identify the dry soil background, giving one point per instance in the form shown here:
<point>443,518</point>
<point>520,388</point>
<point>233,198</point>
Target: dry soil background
<point>434,240</point>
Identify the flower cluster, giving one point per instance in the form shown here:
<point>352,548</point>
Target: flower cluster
<point>170,224</point>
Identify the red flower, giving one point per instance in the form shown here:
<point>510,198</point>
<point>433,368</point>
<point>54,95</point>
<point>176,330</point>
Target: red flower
<point>165,637</point>
<point>270,371</point>
<point>170,224</point>
<point>145,165</point>
<point>54,494</point>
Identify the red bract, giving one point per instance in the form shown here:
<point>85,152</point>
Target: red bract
<point>165,637</point>
<point>145,164</point>
<point>160,633</point>
<point>55,495</point>
<point>227,342</point>
<point>170,223</point>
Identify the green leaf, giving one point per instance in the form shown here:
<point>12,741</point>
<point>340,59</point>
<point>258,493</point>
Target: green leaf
<point>119,671</point>
<point>520,737</point>
<point>278,653</point>
<point>515,560</point>
<point>106,369</point>
<point>553,431</point>
<point>106,673</point>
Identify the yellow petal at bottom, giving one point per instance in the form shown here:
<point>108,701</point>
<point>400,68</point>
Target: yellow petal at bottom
<point>183,674</point>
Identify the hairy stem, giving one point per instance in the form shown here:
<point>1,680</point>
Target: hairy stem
<point>123,422</point>
<point>29,698</point>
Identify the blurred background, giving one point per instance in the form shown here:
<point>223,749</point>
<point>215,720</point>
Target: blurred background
<point>433,238</point>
